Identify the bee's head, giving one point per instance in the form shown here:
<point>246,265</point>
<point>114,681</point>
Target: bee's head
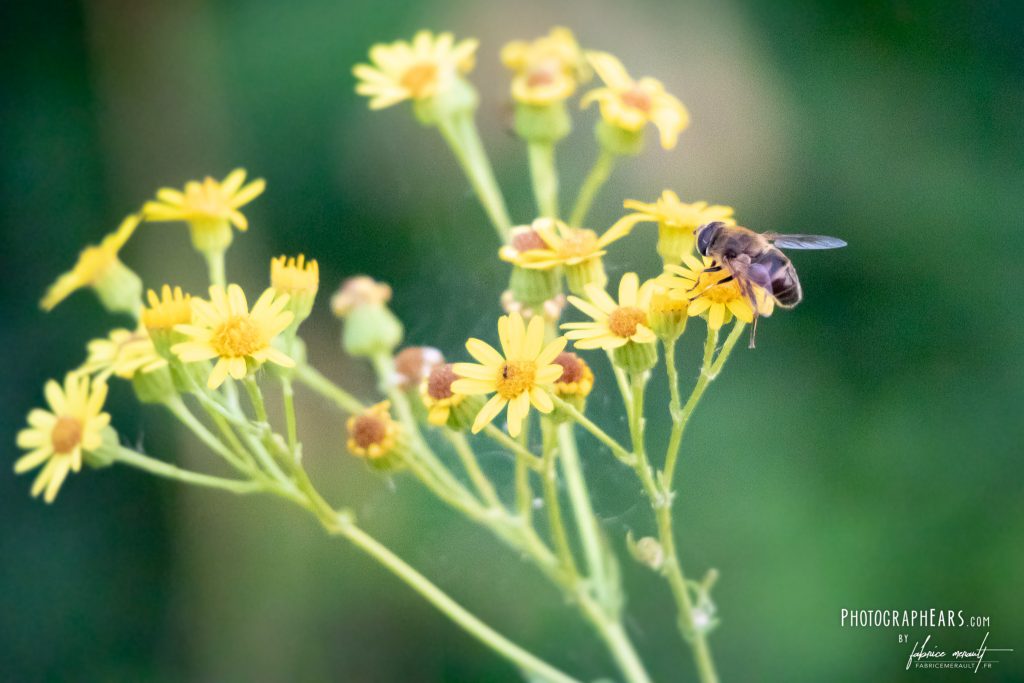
<point>705,234</point>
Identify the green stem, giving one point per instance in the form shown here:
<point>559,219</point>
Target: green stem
<point>215,265</point>
<point>583,512</point>
<point>618,451</point>
<point>160,468</point>
<point>180,411</point>
<point>618,643</point>
<point>256,397</point>
<point>544,177</point>
<point>524,491</point>
<point>708,372</point>
<point>288,399</point>
<point>517,449</point>
<point>622,382</point>
<point>596,179</point>
<point>453,610</point>
<point>469,461</point>
<point>460,132</point>
<point>552,503</point>
<point>312,378</point>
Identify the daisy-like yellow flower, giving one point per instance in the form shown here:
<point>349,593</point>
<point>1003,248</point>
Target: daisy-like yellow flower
<point>521,375</point>
<point>614,323</point>
<point>59,436</point>
<point>719,300</point>
<point>208,206</point>
<point>299,279</point>
<point>372,434</point>
<point>546,70</point>
<point>122,353</point>
<point>676,221</point>
<point>551,243</point>
<point>166,310</point>
<point>630,105</point>
<point>424,68</point>
<point>98,266</point>
<point>577,378</point>
<point>224,328</point>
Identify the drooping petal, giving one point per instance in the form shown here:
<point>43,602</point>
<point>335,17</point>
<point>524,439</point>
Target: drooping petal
<point>488,412</point>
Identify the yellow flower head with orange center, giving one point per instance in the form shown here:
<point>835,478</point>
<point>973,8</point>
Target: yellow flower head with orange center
<point>208,206</point>
<point>224,328</point>
<point>426,67</point>
<point>58,437</point>
<point>677,220</point>
<point>546,70</point>
<point>372,434</point>
<point>438,395</point>
<point>577,378</point>
<point>122,354</point>
<point>631,105</point>
<point>98,266</point>
<point>707,294</point>
<point>549,243</point>
<point>521,375</point>
<point>614,323</point>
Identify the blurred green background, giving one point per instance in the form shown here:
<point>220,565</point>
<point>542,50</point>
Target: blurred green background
<point>866,455</point>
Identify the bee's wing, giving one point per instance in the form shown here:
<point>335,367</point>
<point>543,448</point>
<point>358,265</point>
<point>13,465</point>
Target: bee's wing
<point>804,241</point>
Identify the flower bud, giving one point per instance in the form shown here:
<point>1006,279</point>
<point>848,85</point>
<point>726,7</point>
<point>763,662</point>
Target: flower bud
<point>574,385</point>
<point>375,436</point>
<point>646,551</point>
<point>667,313</point>
<point>444,406</point>
<point>300,280</point>
<point>413,365</point>
<point>370,327</point>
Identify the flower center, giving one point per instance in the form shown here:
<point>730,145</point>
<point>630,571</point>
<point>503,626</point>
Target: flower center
<point>516,377</point>
<point>580,242</point>
<point>66,434</point>
<point>638,99</point>
<point>528,240</point>
<point>418,79</point>
<point>542,74</point>
<point>236,337</point>
<point>572,367</point>
<point>439,384</point>
<point>720,294</point>
<point>369,430</point>
<point>624,320</point>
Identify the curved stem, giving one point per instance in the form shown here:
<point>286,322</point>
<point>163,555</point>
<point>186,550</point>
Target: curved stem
<point>544,177</point>
<point>551,502</point>
<point>160,468</point>
<point>618,451</point>
<point>461,134</point>
<point>313,379</point>
<point>288,400</point>
<point>180,411</point>
<point>596,179</point>
<point>514,446</point>
<point>469,460</point>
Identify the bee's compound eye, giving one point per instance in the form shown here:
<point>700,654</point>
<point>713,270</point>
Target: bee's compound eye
<point>704,234</point>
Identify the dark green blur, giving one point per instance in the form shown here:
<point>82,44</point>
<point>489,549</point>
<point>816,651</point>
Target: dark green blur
<point>868,454</point>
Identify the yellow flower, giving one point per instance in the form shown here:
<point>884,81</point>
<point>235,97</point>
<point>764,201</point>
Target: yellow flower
<point>122,353</point>
<point>547,70</point>
<point>577,378</point>
<point>676,221</point>
<point>418,70</point>
<point>224,328</point>
<point>99,267</point>
<point>373,433</point>
<point>614,323</point>
<point>59,436</point>
<point>209,207</point>
<point>549,243</point>
<point>720,300</point>
<point>300,280</point>
<point>438,396</point>
<point>630,105</point>
<point>167,310</point>
<point>523,374</point>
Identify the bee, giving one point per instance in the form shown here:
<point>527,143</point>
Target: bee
<point>751,258</point>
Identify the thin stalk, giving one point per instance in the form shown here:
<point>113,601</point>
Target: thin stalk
<point>450,608</point>
<point>288,400</point>
<point>583,512</point>
<point>312,378</point>
<point>708,372</point>
<point>215,265</point>
<point>551,501</point>
<point>461,134</point>
<point>469,460</point>
<point>160,468</point>
<point>596,179</point>
<point>517,449</point>
<point>256,397</point>
<point>622,382</point>
<point>661,502</point>
<point>181,412</point>
<point>524,491</point>
<point>618,451</point>
<point>544,177</point>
